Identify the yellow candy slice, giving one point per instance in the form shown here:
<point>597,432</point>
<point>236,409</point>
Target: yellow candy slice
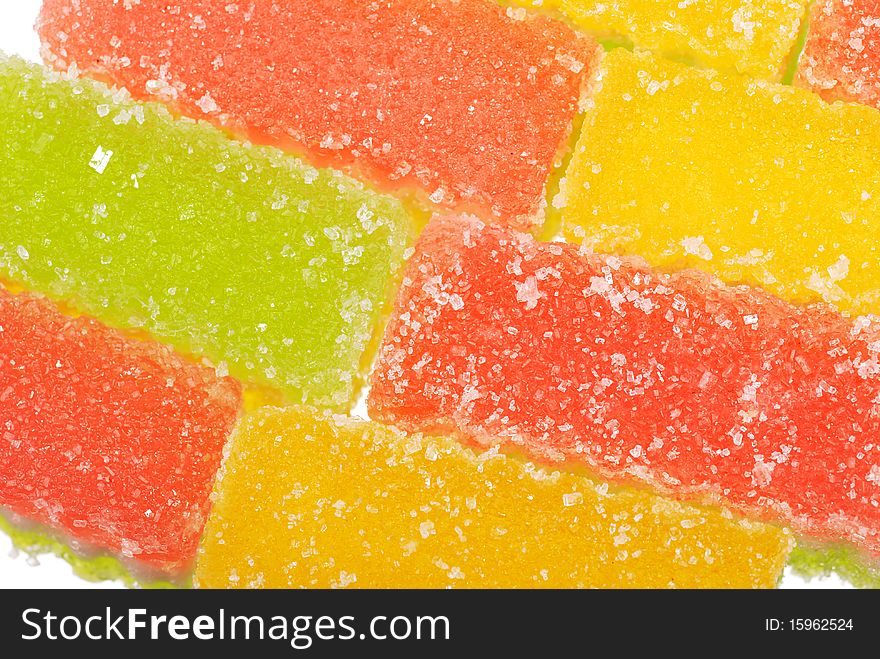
<point>315,500</point>
<point>755,182</point>
<point>755,37</point>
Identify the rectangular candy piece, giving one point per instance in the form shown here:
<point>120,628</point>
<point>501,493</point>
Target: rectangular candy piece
<point>267,266</point>
<point>451,97</point>
<point>311,500</point>
<point>700,390</point>
<point>755,182</point>
<point>754,37</point>
<point>841,60</point>
<point>111,441</point>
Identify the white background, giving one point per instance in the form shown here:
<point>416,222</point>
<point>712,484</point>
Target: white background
<point>17,36</point>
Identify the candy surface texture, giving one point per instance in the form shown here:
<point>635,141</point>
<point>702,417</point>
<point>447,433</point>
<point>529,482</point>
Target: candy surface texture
<point>318,501</point>
<point>841,60</point>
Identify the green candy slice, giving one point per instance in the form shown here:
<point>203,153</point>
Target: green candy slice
<point>272,269</point>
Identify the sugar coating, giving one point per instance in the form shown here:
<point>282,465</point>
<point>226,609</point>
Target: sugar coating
<point>453,97</point>
<point>700,390</point>
<point>312,500</point>
<point>112,441</point>
<point>755,182</point>
<point>276,271</point>
<point>754,37</point>
<point>841,60</point>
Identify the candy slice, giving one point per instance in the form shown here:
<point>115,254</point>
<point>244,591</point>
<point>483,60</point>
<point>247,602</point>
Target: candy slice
<point>326,501</point>
<point>267,266</point>
<point>453,97</point>
<point>841,59</point>
<point>752,181</point>
<point>111,441</point>
<point>755,37</point>
<point>811,562</point>
<point>695,388</point>
<point>34,540</point>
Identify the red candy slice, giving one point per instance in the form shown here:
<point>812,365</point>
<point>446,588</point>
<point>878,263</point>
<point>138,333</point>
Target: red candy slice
<point>841,60</point>
<point>695,388</point>
<point>111,441</point>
